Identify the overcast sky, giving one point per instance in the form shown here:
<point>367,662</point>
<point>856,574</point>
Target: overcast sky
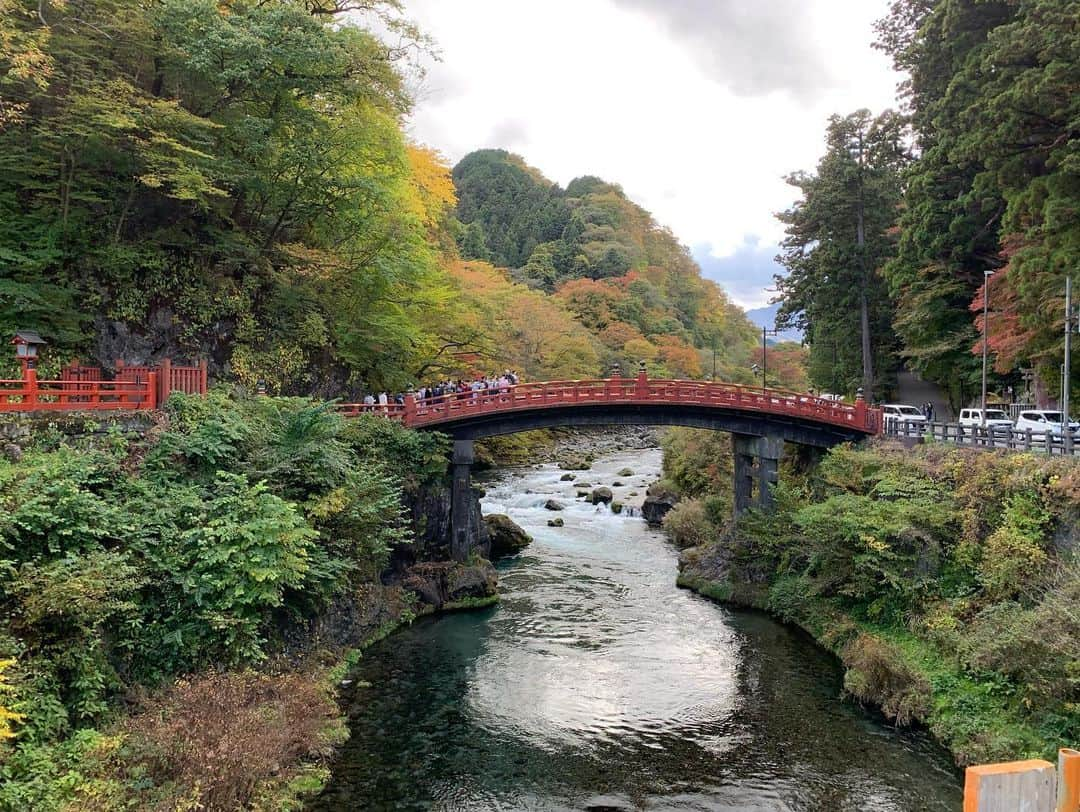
<point>698,108</point>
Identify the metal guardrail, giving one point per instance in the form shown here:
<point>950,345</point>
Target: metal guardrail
<point>985,437</point>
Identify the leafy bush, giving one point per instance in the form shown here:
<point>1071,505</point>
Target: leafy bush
<point>931,571</point>
<point>688,525</point>
<point>56,503</point>
<point>122,565</point>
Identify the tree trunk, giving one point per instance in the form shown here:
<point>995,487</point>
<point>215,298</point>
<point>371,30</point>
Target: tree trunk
<point>864,307</point>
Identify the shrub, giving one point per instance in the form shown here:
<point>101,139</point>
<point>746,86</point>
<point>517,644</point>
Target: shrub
<point>687,524</point>
<point>698,462</point>
<point>220,741</point>
<point>58,502</point>
<point>227,562</point>
<point>61,612</point>
<point>1015,555</point>
<point>876,673</point>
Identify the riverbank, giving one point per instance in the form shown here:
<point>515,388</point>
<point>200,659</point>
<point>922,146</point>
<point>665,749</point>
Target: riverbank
<point>944,580</point>
<point>175,600</point>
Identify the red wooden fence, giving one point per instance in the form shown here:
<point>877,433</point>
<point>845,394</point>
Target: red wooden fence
<point>191,380</point>
<point>626,391</point>
<point>32,395</point>
<point>79,387</point>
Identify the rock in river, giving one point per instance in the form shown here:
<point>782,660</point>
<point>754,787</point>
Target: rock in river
<point>507,538</point>
<point>554,504</point>
<point>659,500</point>
<point>601,495</point>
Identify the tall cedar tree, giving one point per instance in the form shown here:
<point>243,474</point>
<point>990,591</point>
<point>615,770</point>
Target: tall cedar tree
<point>949,223</point>
<point>838,238</point>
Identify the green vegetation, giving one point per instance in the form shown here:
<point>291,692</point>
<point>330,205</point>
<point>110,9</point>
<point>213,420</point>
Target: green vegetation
<point>232,180</point>
<point>945,580</point>
<point>837,236</point>
<point>993,184</point>
<point>126,564</point>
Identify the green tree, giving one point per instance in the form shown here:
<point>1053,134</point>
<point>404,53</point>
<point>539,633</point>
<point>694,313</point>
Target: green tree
<point>838,238</point>
<point>949,223</point>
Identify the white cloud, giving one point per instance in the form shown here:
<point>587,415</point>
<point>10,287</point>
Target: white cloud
<point>625,89</point>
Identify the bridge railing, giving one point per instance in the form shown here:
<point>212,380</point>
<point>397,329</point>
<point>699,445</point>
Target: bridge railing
<point>641,391</point>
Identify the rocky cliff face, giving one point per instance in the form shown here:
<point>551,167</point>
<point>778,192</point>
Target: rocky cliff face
<point>423,567</point>
<point>429,513</point>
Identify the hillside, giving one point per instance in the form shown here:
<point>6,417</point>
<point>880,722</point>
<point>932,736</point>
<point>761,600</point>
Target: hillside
<point>607,261</point>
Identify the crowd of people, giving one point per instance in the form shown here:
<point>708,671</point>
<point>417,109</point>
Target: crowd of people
<point>459,388</point>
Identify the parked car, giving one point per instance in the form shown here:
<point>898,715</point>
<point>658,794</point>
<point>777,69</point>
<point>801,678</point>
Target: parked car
<point>899,414</point>
<point>995,418</point>
<point>1041,421</point>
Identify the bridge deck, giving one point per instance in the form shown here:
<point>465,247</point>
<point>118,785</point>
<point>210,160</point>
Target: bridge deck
<point>641,391</point>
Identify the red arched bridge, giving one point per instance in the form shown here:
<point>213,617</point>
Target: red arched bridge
<point>759,420</point>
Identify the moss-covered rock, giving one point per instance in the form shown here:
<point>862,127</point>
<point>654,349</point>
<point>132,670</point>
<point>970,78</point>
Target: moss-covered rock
<point>507,537</point>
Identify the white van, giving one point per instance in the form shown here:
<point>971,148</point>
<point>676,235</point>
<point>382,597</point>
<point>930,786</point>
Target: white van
<point>1041,421</point>
<point>899,414</point>
<point>995,418</point>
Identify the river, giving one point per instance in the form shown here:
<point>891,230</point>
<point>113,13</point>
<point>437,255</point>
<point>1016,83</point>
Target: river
<point>598,684</point>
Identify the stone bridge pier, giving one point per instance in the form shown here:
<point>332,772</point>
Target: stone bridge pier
<point>460,496</point>
<point>757,469</point>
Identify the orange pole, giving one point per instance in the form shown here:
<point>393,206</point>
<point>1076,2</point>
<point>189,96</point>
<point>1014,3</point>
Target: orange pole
<point>202,376</point>
<point>1068,780</point>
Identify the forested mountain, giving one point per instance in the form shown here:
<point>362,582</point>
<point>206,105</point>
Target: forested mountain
<point>993,186</point>
<point>607,261</point>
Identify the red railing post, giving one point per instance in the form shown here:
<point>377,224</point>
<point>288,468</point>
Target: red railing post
<point>410,409</point>
<point>641,387</point>
<point>165,381</point>
<point>202,377</point>
<point>860,409</point>
<point>31,394</point>
<point>150,400</point>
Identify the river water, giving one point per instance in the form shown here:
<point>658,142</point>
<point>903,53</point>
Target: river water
<point>598,684</point>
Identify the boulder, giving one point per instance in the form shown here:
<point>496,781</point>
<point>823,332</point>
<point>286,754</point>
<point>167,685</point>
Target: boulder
<point>567,477</point>
<point>659,500</point>
<point>616,507</point>
<point>507,538</point>
<point>626,472</point>
<point>616,484</point>
<point>575,463</point>
<point>581,486</point>
<point>556,522</point>
<point>12,452</point>
<point>554,504</point>
<point>601,495</point>
<point>439,583</point>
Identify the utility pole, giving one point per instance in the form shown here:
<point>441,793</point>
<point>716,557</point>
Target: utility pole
<point>986,337</point>
<point>1068,357</point>
<point>764,354</point>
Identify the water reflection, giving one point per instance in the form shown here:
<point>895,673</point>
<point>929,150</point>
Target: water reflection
<point>596,684</point>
